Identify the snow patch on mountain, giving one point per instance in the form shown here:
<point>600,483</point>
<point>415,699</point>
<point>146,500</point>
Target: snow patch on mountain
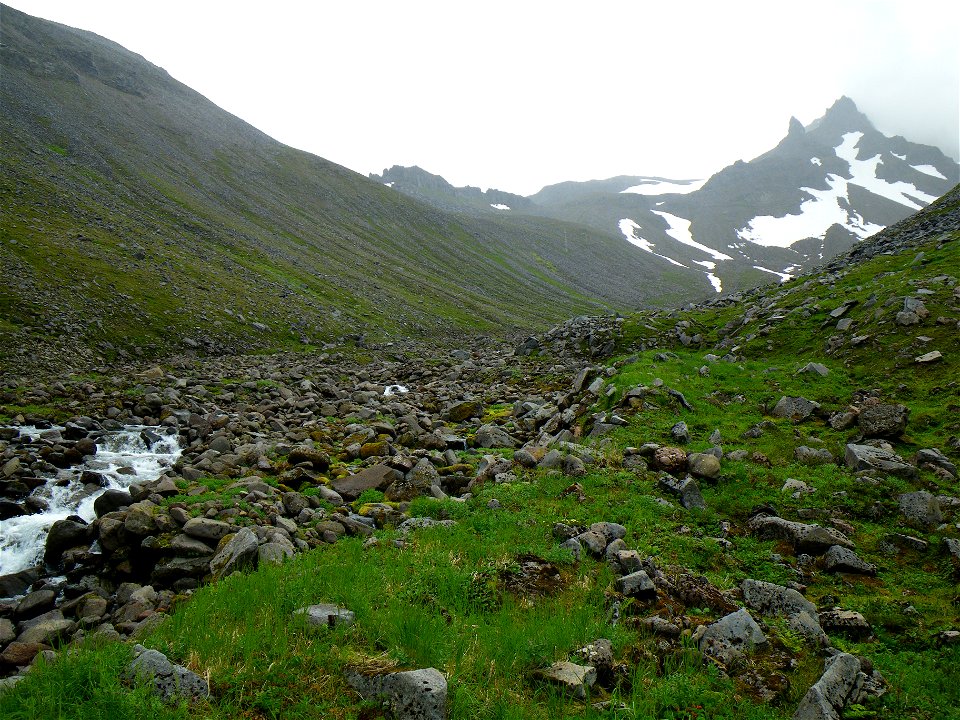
<point>629,229</point>
<point>864,174</point>
<point>784,276</point>
<point>663,187</point>
<point>499,206</point>
<point>680,230</point>
<point>816,161</point>
<point>929,170</point>
<point>710,266</point>
<point>832,206</point>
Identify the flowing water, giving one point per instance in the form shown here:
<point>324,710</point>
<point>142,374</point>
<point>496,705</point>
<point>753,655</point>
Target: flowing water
<point>123,457</point>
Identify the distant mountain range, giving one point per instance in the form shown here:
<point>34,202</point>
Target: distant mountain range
<point>822,189</point>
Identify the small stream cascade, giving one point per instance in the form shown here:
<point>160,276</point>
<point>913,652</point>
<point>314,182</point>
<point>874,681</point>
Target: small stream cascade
<point>136,453</point>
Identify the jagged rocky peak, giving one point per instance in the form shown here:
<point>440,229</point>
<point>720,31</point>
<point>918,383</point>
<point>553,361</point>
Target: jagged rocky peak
<point>796,128</point>
<point>842,116</point>
<point>412,176</point>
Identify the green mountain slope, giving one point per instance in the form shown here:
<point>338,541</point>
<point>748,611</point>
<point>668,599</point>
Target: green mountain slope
<point>138,214</point>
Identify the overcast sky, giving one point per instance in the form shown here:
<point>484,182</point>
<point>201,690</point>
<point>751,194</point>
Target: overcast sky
<point>520,94</point>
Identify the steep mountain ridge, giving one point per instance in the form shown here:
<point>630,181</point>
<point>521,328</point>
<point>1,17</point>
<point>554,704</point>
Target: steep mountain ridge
<point>138,215</point>
<point>822,189</point>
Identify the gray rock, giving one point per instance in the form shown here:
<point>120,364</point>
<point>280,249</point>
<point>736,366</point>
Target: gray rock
<point>572,678</point>
<point>935,458</point>
<point>883,421</point>
<point>846,622</point>
<point>806,538</point>
<point>795,408</point>
<point>731,637</point>
<point>687,490</point>
<point>326,615</point>
<point>921,509</point>
<point>929,357</point>
<point>7,631</point>
<point>171,682</point>
<point>813,368</point>
<point>771,599</point>
<point>840,559</point>
<point>611,531</point>
<point>680,433</point>
<point>207,529</point>
<point>378,477</point>
<point>867,457</point>
<point>411,695</point>
<point>492,436</point>
<point>840,685</point>
<point>704,465</point>
<point>593,542</point>
<point>636,584</point>
<point>239,552</point>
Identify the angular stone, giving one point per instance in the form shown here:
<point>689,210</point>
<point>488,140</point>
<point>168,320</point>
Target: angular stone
<point>378,477</point>
<point>169,681</point>
<point>572,678</point>
<point>843,560</point>
<point>239,552</point>
<point>410,695</point>
<point>687,490</point>
<point>847,622</point>
<point>921,509</point>
<point>771,599</point>
<point>207,529</point>
<point>883,421</point>
<point>929,357</point>
<point>812,538</point>
<point>795,408</point>
<point>636,584</point>
<point>839,685</point>
<point>492,436</point>
<point>461,411</point>
<point>867,457</point>
<point>593,542</point>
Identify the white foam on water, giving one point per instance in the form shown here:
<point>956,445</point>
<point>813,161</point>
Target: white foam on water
<point>395,390</point>
<point>122,458</point>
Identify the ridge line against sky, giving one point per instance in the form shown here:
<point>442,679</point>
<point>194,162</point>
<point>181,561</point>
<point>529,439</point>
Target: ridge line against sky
<point>521,95</point>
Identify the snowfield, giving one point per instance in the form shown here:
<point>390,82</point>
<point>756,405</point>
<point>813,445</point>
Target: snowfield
<point>831,206</point>
<point>664,187</point>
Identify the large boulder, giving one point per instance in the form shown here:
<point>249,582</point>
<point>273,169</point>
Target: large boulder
<point>868,457</point>
<point>921,509</point>
<point>794,408</point>
<point>239,552</point>
<point>378,477</point>
<point>170,681</point>
<point>839,686</point>
<point>63,535</point>
<point>883,421</point>
<point>410,695</point>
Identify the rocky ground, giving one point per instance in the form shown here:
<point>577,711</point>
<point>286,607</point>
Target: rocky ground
<point>761,492</point>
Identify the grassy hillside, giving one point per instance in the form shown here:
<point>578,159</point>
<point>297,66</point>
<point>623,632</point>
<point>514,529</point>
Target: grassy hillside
<point>136,214</point>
